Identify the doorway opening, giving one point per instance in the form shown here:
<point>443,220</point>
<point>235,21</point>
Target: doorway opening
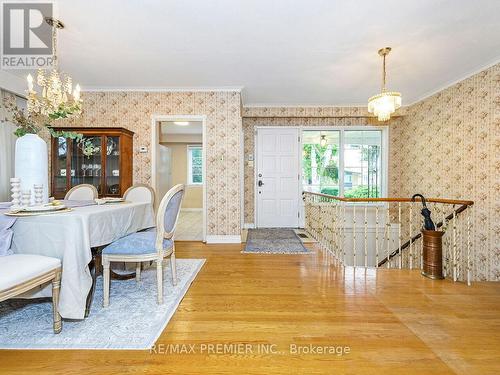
<point>179,158</point>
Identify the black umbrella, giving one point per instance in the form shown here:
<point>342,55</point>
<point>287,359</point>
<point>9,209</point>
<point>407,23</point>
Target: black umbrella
<point>426,213</point>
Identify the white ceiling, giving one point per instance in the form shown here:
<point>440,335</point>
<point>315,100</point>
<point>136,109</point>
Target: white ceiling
<point>170,127</point>
<point>303,52</point>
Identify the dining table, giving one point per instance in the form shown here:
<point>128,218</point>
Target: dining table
<point>70,236</point>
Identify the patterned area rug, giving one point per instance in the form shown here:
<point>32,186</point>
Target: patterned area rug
<point>274,241</point>
<point>133,319</point>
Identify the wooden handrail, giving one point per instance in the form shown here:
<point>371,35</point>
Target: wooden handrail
<point>432,200</point>
<point>418,235</point>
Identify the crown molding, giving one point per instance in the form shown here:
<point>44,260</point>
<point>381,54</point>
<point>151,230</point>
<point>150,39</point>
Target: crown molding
<point>284,105</point>
<point>447,85</point>
<point>13,83</point>
<point>163,89</point>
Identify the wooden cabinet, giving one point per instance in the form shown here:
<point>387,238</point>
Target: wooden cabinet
<point>103,159</point>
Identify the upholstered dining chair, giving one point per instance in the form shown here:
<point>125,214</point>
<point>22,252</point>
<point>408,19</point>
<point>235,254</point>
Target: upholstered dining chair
<point>82,192</point>
<point>148,246</point>
<point>140,193</point>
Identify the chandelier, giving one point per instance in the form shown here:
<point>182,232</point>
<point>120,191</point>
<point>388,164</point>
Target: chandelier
<point>387,102</point>
<point>56,97</point>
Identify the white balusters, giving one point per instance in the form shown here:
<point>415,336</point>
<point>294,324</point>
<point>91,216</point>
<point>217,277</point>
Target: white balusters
<point>454,243</point>
<point>411,235</point>
<point>354,234</point>
<point>400,255</point>
<point>388,235</point>
<point>376,236</point>
<point>468,246</point>
<point>366,237</point>
<point>445,248</point>
<point>328,222</point>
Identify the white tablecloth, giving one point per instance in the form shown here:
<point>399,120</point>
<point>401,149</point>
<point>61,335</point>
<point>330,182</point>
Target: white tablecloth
<point>69,237</point>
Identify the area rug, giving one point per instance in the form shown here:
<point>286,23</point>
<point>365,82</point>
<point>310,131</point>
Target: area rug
<point>274,241</point>
<point>133,319</point>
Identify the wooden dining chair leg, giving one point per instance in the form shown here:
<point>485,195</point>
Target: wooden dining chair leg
<point>173,268</point>
<point>159,280</point>
<point>138,271</point>
<point>56,287</point>
<point>106,286</point>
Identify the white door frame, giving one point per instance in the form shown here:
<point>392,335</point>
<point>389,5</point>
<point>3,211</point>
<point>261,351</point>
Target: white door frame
<point>155,119</point>
<point>256,164</point>
<point>301,128</point>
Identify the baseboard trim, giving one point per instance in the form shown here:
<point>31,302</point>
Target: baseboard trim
<point>223,239</point>
<point>192,209</point>
<point>249,226</point>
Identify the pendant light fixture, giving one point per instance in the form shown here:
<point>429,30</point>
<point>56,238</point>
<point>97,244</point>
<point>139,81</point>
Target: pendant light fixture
<point>56,97</point>
<point>322,141</point>
<point>386,103</point>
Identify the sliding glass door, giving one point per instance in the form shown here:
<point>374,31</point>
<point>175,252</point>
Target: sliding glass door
<point>320,161</point>
<point>343,162</point>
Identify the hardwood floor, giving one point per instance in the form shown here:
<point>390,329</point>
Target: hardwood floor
<point>394,322</point>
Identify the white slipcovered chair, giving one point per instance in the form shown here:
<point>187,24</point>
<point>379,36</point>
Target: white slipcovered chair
<point>140,193</point>
<point>82,192</point>
<point>22,272</point>
<point>149,245</point>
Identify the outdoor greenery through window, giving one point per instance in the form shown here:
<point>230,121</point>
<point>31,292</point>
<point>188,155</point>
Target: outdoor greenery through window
<point>358,151</point>
<point>195,161</point>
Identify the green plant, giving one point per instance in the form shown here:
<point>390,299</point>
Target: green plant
<point>361,191</point>
<point>29,123</point>
<point>330,191</point>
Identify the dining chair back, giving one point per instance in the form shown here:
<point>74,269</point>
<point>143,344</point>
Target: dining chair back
<point>82,192</point>
<point>146,246</point>
<point>140,193</point>
<point>168,214</point>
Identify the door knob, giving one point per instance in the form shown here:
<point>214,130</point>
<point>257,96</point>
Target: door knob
<point>260,183</point>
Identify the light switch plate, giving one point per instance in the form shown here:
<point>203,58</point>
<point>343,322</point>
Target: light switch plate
<point>143,149</point>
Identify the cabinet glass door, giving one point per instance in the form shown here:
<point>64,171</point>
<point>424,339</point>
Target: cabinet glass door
<point>86,162</point>
<point>112,180</point>
<point>60,171</point>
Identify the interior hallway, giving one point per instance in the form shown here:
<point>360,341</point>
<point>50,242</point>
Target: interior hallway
<point>189,226</point>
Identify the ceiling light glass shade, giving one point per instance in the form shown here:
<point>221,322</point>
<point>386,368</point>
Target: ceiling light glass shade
<point>55,96</point>
<point>181,123</point>
<point>322,141</point>
<point>384,105</point>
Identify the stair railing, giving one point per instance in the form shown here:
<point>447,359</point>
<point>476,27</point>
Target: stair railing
<point>385,232</point>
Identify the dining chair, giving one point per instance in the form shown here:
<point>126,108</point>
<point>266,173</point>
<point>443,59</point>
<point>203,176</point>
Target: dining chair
<point>82,192</point>
<point>148,246</point>
<point>140,193</point>
<point>22,272</point>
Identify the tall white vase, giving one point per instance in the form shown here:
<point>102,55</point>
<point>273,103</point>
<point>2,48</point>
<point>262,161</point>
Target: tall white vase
<point>32,164</point>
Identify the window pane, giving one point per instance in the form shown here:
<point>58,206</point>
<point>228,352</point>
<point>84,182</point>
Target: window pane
<point>320,161</point>
<point>196,170</point>
<point>363,164</point>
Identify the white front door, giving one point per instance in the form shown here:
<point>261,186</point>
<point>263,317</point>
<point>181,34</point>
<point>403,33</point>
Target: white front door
<point>277,180</point>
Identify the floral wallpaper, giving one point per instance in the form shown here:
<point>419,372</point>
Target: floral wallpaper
<point>445,146</point>
<point>134,110</point>
<point>448,146</point>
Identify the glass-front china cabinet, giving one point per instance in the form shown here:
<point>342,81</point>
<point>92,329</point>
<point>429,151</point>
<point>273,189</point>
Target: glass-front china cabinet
<point>103,159</point>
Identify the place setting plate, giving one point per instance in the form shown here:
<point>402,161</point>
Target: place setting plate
<point>109,200</point>
<point>38,210</point>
